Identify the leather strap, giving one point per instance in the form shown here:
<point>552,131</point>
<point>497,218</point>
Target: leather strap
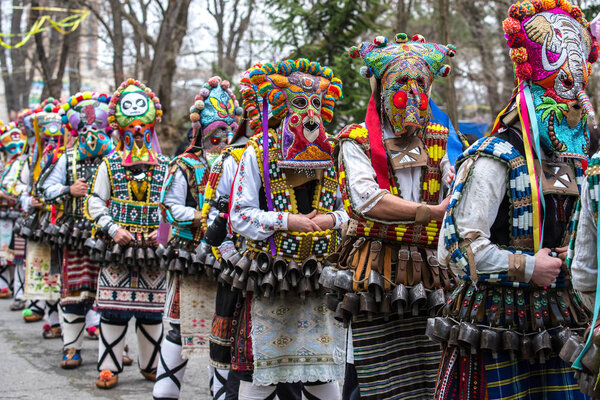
<point>363,268</point>
<point>387,267</point>
<point>555,313</point>
<point>537,320</point>
<point>466,303</point>
<point>563,305</point>
<point>376,256</point>
<point>403,259</point>
<point>414,273</point>
<point>431,273</point>
<point>521,309</point>
<point>496,305</point>
<point>477,308</point>
<point>516,267</point>
<point>509,307</point>
<point>423,215</point>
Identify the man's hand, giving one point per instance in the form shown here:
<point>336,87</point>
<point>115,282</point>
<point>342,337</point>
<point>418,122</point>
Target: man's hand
<point>35,202</point>
<point>79,188</point>
<point>562,254</point>
<point>303,222</point>
<point>324,221</point>
<point>546,268</point>
<point>151,238</point>
<point>451,174</point>
<point>123,237</point>
<point>437,212</point>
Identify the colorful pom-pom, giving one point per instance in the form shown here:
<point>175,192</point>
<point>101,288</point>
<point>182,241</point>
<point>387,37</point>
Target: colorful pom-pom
<point>518,55</point>
<point>354,52</point>
<point>514,11</point>
<point>366,72</point>
<point>27,312</point>
<point>516,40</point>
<point>380,41</point>
<point>214,81</point>
<point>524,71</point>
<point>565,5</point>
<point>225,85</point>
<point>199,104</point>
<point>239,110</point>
<point>204,92</point>
<point>548,4</point>
<point>401,38</point>
<point>593,57</point>
<point>444,70</point>
<point>576,13</point>
<point>418,38</point>
<point>106,375</point>
<point>511,26</point>
<point>451,50</point>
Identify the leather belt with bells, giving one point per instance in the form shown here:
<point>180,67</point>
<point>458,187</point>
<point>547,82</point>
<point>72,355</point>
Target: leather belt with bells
<point>466,302</point>
<point>521,311</point>
<point>509,307</point>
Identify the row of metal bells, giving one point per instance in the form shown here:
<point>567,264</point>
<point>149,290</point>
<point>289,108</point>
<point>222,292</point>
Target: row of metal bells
<point>466,335</point>
<point>268,277</point>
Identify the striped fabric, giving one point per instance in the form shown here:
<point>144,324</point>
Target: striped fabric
<point>394,359</point>
<point>504,379</point>
<point>79,277</point>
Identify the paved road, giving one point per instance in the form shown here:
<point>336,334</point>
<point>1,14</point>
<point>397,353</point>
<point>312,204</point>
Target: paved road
<point>29,367</point>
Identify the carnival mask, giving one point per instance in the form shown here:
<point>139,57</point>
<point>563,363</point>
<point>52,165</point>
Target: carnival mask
<point>302,94</point>
<point>13,140</point>
<point>50,126</point>
<point>552,50</point>
<point>134,110</point>
<point>214,116</point>
<point>86,116</point>
<point>405,95</point>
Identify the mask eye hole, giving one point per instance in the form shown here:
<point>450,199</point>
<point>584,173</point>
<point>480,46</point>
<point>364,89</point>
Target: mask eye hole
<point>316,102</point>
<point>403,80</point>
<point>126,105</point>
<point>300,102</point>
<point>421,82</point>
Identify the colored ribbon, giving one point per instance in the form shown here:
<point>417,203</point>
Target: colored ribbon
<point>530,140</point>
<point>378,155</point>
<point>265,161</point>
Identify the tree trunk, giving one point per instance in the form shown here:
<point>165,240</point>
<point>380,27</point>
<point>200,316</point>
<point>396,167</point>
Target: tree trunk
<point>450,93</point>
<point>118,42</point>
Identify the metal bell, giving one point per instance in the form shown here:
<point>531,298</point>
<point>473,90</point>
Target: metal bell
<point>490,340</point>
<point>526,348</point>
<point>441,329</point>
<point>233,259</point>
<point>279,267</point>
<point>309,267</point>
<point>367,304</point>
<point>436,300</point>
<point>469,336</point>
<point>160,250</point>
<point>571,349</point>
<point>417,298</point>
<point>253,271</point>
<point>210,261</point>
<point>252,285</point>
<point>176,265</point>
<point>332,301</point>
<point>376,283</point>
<point>453,339</point>
<point>3,214</point>
<point>150,257</point>
<point>268,284</point>
<point>340,315</point>
<point>237,282</point>
<point>116,253</point>
<point>293,274</point>
<point>65,230</point>
<point>129,257</point>
<point>193,265</point>
<point>429,329</point>
<point>542,345</point>
<point>351,303</point>
<point>99,249</point>
<point>25,232</point>
<point>344,280</point>
<point>304,287</point>
<point>264,262</point>
<point>327,278</point>
<point>203,250</point>
<point>89,244</point>
<point>140,258</point>
<point>400,299</point>
<point>283,287</point>
<point>385,307</point>
<point>559,338</point>
<point>242,267</point>
<point>591,359</point>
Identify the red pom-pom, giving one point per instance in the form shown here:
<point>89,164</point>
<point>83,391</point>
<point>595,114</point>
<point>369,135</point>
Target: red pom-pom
<point>593,57</point>
<point>511,26</point>
<point>418,38</point>
<point>524,71</point>
<point>354,52</point>
<point>514,11</point>
<point>516,40</point>
<point>538,5</point>
<point>576,12</point>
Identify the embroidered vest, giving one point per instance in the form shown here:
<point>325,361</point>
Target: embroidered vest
<point>434,140</point>
<point>196,172</point>
<point>520,206</point>
<point>77,169</point>
<point>296,246</point>
<point>137,216</point>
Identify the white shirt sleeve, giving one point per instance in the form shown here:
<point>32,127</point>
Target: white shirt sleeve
<point>224,186</point>
<point>10,177</point>
<point>584,268</point>
<point>23,180</point>
<point>96,201</point>
<point>476,213</point>
<point>245,216</point>
<point>364,190</point>
<point>175,198</point>
<point>54,183</point>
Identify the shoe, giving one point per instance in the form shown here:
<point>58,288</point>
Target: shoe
<point>127,361</point>
<point>17,305</point>
<point>5,293</point>
<point>107,380</point>
<point>71,359</point>
<point>149,375</point>
<point>52,332</point>
<point>93,333</point>
<point>30,316</point>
